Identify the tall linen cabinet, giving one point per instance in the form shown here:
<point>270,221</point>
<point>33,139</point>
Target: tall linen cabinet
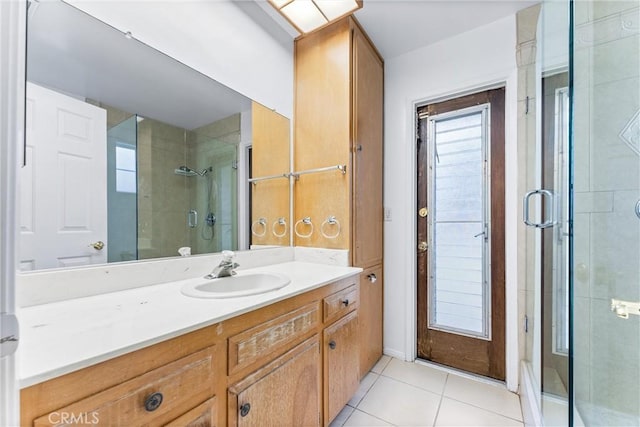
<point>339,85</point>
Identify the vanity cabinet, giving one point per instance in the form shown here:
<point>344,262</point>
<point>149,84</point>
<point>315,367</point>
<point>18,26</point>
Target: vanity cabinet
<point>339,84</point>
<point>341,367</point>
<point>154,398</point>
<point>371,319</point>
<point>284,392</point>
<point>293,362</point>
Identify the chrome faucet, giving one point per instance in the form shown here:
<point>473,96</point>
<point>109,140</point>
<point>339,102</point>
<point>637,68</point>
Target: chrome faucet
<point>226,268</point>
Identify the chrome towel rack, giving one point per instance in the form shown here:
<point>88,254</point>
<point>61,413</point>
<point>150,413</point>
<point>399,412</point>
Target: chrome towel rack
<point>341,168</point>
<point>296,175</point>
<point>255,181</point>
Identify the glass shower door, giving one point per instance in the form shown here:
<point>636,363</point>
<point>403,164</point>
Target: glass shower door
<point>606,205</point>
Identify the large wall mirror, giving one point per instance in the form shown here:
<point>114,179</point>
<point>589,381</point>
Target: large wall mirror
<point>132,155</point>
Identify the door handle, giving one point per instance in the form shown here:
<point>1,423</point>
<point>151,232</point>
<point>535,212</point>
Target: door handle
<point>9,334</point>
<point>98,246</point>
<point>548,209</point>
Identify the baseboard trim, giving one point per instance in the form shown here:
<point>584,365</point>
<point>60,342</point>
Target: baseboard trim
<point>529,396</point>
<point>395,353</point>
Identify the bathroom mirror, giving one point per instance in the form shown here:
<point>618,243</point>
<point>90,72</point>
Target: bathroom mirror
<point>131,154</point>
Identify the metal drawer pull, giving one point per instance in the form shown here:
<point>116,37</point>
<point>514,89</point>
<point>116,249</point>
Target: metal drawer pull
<point>372,278</point>
<point>153,402</point>
<point>346,302</point>
<point>244,409</point>
<point>548,209</point>
<point>332,345</point>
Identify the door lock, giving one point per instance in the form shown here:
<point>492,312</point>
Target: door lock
<point>423,212</point>
<point>422,247</point>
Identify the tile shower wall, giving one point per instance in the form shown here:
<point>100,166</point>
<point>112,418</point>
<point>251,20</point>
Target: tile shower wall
<point>606,229</point>
<point>162,195</point>
<point>214,145</point>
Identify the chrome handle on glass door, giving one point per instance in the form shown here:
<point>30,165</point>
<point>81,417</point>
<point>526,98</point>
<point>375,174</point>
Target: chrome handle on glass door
<point>546,194</point>
<point>192,218</point>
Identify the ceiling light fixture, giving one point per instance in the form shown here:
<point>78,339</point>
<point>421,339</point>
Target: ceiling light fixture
<point>309,15</point>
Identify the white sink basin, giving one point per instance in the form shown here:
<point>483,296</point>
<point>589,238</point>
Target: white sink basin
<point>235,286</point>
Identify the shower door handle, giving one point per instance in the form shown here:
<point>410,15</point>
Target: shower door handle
<point>192,218</point>
<point>546,194</point>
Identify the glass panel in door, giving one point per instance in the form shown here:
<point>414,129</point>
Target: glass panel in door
<point>460,277</point>
<point>606,242</point>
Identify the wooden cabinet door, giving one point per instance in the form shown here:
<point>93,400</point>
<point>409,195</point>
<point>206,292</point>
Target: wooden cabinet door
<point>283,393</point>
<point>341,367</point>
<point>367,159</point>
<point>370,318</point>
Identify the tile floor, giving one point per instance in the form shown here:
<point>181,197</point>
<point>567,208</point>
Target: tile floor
<point>397,393</point>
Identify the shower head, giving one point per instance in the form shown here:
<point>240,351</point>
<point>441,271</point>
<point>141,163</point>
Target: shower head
<point>187,171</point>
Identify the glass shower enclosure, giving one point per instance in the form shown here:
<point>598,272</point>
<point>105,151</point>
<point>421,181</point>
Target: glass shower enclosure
<point>605,59</point>
<point>586,355</point>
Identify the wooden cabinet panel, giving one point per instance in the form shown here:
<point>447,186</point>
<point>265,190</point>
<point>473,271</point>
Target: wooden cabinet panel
<point>267,338</point>
<point>368,83</point>
<point>270,156</point>
<point>340,303</point>
<point>370,319</point>
<point>172,388</point>
<point>322,132</point>
<point>203,415</point>
<point>341,366</point>
<point>283,393</point>
<point>339,120</point>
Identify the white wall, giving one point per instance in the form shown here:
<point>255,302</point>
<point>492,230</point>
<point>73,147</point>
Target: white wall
<point>467,62</point>
<point>217,38</point>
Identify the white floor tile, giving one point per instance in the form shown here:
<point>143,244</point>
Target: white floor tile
<point>381,364</point>
<point>364,387</point>
<point>342,416</point>
<point>359,418</point>
<point>399,403</point>
<point>454,413</point>
<point>487,396</point>
<point>418,375</point>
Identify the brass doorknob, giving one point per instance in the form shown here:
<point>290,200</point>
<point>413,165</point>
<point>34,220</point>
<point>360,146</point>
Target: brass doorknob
<point>97,245</point>
<point>422,247</point>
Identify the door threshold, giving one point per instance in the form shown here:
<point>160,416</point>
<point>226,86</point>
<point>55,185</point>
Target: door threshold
<point>461,373</point>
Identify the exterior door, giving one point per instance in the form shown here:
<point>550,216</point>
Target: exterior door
<point>63,200</point>
<point>460,254</point>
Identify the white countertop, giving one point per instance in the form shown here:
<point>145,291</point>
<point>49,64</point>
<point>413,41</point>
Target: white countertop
<point>62,337</point>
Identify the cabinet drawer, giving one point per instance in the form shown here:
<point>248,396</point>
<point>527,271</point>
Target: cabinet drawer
<point>166,392</point>
<point>340,303</point>
<point>267,338</point>
<point>203,415</point>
